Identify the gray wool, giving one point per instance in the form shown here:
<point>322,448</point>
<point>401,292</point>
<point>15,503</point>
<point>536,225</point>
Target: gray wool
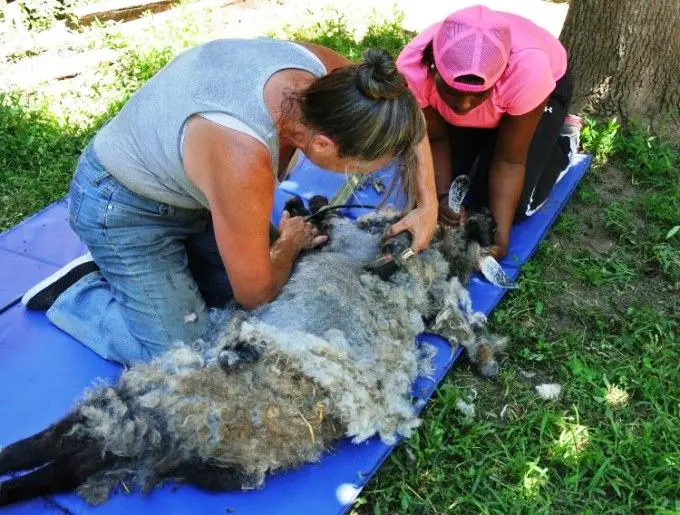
<point>337,358</point>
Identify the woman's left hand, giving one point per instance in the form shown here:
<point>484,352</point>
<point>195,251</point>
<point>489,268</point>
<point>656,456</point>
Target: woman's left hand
<point>421,222</point>
<point>500,249</point>
<point>498,252</point>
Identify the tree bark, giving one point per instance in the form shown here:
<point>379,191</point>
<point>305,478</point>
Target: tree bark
<point>624,56</point>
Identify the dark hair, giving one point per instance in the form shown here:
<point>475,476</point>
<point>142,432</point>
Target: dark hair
<point>367,110</point>
<point>428,55</point>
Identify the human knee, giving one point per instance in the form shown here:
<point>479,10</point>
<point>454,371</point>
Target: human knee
<point>181,328</point>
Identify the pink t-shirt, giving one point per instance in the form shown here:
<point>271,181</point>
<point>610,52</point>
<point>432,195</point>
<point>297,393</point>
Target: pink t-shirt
<point>537,61</point>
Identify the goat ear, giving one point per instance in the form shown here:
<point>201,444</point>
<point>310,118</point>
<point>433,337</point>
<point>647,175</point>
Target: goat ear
<point>457,191</point>
<point>495,274</point>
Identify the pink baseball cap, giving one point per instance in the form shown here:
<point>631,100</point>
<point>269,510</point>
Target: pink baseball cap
<point>472,41</point>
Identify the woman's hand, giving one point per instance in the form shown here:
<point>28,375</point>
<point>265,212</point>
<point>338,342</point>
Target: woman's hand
<point>498,252</point>
<point>500,249</point>
<point>448,217</point>
<point>302,234</point>
<point>421,222</point>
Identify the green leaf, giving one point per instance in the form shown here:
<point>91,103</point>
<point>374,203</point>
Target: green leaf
<point>539,308</point>
<point>673,232</point>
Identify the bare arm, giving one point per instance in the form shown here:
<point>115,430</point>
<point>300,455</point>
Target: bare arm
<point>234,173</point>
<point>438,132</point>
<point>508,168</point>
<point>330,58</point>
<point>426,190</point>
<point>421,222</point>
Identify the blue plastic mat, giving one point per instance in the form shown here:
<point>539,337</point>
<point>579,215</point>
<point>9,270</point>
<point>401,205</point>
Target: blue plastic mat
<point>43,371</point>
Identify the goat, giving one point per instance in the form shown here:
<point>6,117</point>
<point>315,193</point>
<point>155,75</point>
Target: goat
<point>274,388</point>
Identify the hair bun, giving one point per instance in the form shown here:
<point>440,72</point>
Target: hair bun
<point>378,77</point>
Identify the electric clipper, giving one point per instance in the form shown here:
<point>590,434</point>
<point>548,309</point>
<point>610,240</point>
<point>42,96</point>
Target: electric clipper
<point>395,252</point>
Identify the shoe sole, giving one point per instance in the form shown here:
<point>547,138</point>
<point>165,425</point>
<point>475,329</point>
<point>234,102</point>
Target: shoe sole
<point>55,277</point>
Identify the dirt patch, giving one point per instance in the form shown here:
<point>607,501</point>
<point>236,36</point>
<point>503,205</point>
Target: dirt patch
<point>647,286</point>
<point>614,183</point>
<point>609,185</point>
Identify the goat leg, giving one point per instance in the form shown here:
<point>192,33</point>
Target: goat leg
<point>48,445</point>
<point>62,475</point>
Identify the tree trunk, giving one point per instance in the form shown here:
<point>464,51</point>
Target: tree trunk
<point>624,56</point>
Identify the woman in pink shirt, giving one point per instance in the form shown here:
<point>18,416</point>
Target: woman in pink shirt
<point>495,91</point>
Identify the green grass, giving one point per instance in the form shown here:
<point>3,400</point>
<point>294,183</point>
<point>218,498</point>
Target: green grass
<point>597,311</point>
<point>40,15</point>
<point>37,157</point>
<point>335,34</point>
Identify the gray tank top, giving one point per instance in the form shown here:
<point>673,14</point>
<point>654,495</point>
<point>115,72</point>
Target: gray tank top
<point>141,146</point>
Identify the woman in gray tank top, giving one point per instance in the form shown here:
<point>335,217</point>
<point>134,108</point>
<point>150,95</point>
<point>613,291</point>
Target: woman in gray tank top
<point>175,208</point>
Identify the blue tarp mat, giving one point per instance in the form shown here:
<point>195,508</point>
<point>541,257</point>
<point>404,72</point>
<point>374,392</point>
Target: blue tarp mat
<point>43,371</point>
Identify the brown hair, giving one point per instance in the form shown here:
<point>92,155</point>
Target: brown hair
<point>369,112</point>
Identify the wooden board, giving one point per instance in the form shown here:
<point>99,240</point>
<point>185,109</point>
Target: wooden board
<point>117,10</point>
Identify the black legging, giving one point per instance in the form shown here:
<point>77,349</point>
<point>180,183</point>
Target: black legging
<point>548,154</point>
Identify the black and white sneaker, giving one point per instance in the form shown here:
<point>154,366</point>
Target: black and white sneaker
<point>43,294</point>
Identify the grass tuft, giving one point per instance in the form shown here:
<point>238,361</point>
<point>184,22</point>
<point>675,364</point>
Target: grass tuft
<point>336,34</point>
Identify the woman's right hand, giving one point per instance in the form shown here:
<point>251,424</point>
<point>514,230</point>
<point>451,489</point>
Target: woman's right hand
<point>448,217</point>
<point>301,233</point>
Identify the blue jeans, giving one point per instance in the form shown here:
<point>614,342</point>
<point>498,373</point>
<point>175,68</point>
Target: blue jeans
<point>160,270</point>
